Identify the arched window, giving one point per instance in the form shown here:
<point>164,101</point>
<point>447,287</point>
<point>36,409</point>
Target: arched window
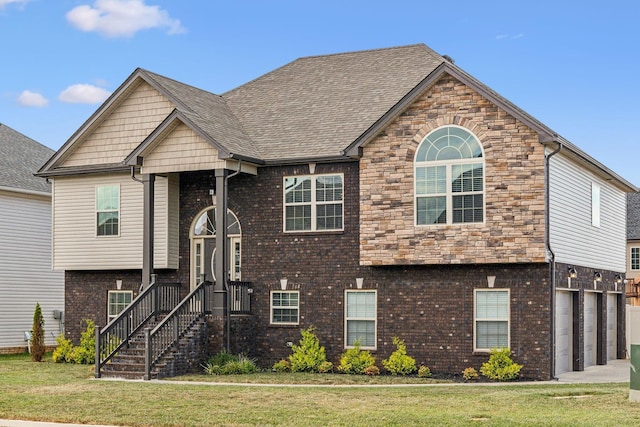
<point>449,178</point>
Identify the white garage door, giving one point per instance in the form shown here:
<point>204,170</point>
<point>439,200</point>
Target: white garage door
<point>564,329</point>
<point>612,326</point>
<point>590,329</point>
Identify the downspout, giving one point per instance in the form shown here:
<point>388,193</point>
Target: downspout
<point>551,254</point>
<point>227,296</point>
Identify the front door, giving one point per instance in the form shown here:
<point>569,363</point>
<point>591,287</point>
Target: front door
<point>203,247</point>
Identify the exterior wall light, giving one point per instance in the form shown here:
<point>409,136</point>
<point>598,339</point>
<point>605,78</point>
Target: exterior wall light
<point>618,279</point>
<point>572,273</point>
<point>597,276</point>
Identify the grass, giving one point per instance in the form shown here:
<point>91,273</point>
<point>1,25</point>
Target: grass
<point>56,392</point>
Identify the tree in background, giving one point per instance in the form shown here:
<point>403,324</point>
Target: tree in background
<point>37,335</point>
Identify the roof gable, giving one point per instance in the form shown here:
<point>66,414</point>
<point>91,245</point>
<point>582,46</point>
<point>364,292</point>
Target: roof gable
<point>20,158</point>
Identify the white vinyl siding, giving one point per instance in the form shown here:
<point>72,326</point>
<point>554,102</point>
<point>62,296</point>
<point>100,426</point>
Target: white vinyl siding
<point>26,277</point>
<point>76,246</point>
<point>575,241</point>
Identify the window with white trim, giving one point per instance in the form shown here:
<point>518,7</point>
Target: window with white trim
<point>313,203</point>
<point>285,307</point>
<point>635,258</point>
<point>491,319</point>
<point>107,210</point>
<point>449,178</point>
<point>360,318</point>
<point>116,302</point>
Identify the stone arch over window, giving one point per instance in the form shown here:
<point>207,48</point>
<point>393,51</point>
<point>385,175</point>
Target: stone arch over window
<point>449,177</point>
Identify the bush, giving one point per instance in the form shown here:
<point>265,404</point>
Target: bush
<point>399,363</point>
<point>63,353</point>
<point>355,360</point>
<point>85,353</point>
<point>325,367</point>
<point>424,372</point>
<point>470,374</point>
<point>500,367</point>
<point>308,354</point>
<point>225,363</point>
<point>37,335</point>
<point>372,370</point>
<point>282,366</point>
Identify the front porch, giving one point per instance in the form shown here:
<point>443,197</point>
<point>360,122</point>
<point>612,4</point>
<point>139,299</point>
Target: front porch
<point>159,335</point>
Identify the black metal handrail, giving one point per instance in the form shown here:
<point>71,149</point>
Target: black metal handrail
<point>240,297</point>
<point>175,324</point>
<point>154,300</point>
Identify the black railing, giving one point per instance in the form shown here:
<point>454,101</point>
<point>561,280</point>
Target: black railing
<point>240,297</point>
<point>156,299</point>
<point>175,324</point>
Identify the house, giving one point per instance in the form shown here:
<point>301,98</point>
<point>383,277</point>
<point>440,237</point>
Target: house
<point>26,276</point>
<point>633,249</point>
<point>368,194</point>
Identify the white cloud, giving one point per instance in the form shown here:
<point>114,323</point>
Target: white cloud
<point>3,3</point>
<point>121,18</point>
<point>32,99</point>
<point>84,94</point>
<point>509,36</point>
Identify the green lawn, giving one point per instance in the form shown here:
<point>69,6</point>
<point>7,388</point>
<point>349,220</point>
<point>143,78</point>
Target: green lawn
<point>54,392</point>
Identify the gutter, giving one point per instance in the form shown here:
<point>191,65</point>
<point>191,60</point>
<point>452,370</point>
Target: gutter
<point>551,254</point>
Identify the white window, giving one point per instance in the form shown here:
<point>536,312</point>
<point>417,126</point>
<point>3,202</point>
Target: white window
<point>285,307</point>
<point>117,301</point>
<point>360,318</point>
<point>449,178</point>
<point>313,203</point>
<point>107,210</point>
<point>491,313</point>
<point>635,258</point>
<point>595,204</point>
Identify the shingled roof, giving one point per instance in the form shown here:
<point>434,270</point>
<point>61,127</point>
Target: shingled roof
<point>316,106</point>
<point>20,158</point>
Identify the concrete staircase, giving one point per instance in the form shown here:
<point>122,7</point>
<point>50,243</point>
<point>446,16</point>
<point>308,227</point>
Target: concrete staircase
<point>183,357</point>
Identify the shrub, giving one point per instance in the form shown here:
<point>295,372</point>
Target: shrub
<point>500,367</point>
<point>37,335</point>
<point>224,363</point>
<point>325,367</point>
<point>399,363</point>
<point>85,353</point>
<point>63,353</point>
<point>308,354</point>
<point>372,370</point>
<point>282,366</point>
<point>470,374</point>
<point>355,360</point>
<point>424,372</point>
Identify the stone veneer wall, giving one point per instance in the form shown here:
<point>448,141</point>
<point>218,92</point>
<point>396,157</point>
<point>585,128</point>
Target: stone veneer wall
<point>514,187</point>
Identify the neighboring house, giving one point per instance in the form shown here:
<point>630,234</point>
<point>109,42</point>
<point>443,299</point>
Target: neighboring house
<point>370,195</point>
<point>633,249</point>
<point>26,276</point>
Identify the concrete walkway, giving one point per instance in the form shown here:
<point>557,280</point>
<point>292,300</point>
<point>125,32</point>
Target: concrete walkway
<point>616,371</point>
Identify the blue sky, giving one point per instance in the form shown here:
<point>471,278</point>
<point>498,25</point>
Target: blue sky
<point>572,65</point>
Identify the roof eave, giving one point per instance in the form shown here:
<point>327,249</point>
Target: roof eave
<point>84,170</point>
